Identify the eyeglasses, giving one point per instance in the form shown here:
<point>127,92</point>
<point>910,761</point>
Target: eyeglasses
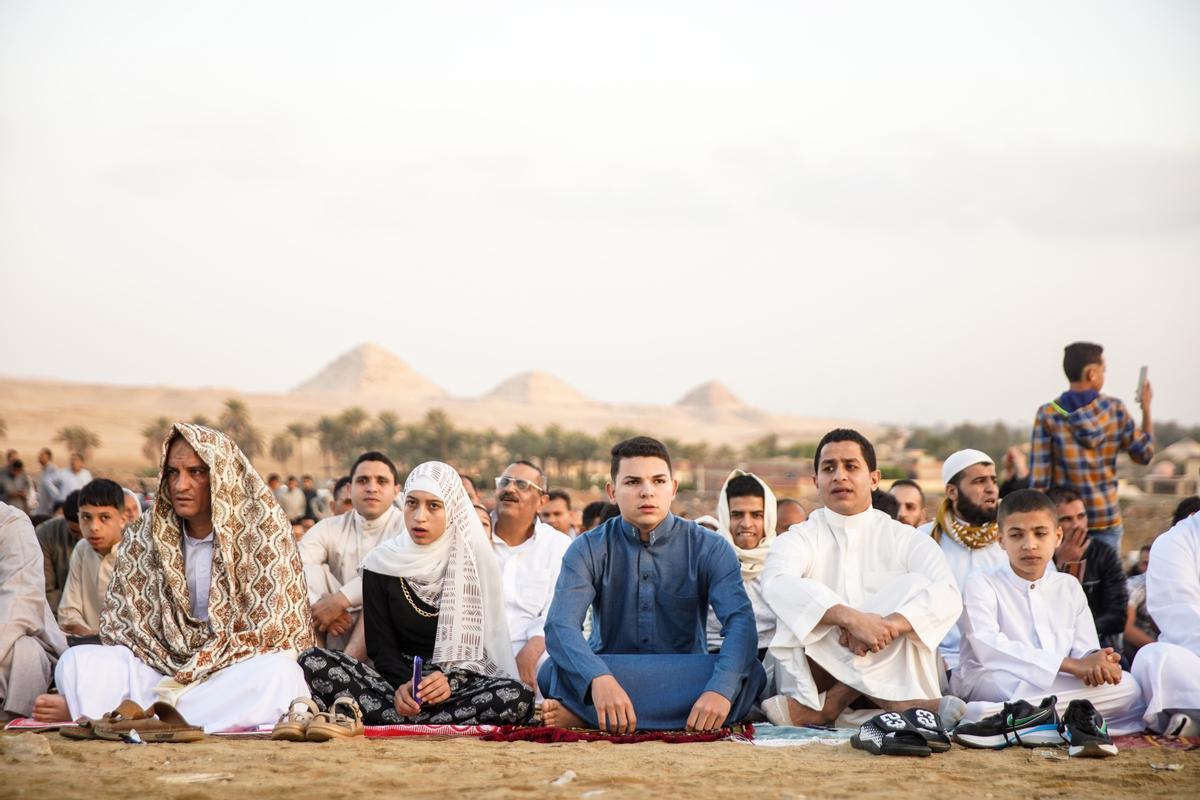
<point>503,482</point>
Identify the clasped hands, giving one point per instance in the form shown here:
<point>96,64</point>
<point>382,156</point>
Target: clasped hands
<point>330,614</point>
<point>433,689</point>
<point>862,632</point>
<point>1096,668</point>
<point>615,714</point>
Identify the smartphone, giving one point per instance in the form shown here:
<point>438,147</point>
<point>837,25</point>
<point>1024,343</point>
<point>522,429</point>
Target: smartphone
<point>1141,383</point>
<point>416,676</point>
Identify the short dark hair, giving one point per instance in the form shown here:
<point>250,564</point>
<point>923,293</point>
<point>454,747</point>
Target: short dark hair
<point>846,435</point>
<point>1061,495</point>
<point>102,492</point>
<point>46,450</point>
<point>744,486</point>
<point>70,506</point>
<point>292,477</point>
<point>17,464</point>
<point>885,502</point>
<point>593,511</point>
<point>909,482</point>
<point>1077,356</point>
<point>306,477</point>
<point>522,462</point>
<point>1185,509</point>
<point>374,455</point>
<point>341,482</point>
<point>274,476</point>
<point>1025,501</point>
<point>638,447</point>
<point>559,494</point>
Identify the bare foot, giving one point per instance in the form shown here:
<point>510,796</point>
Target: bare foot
<point>51,708</point>
<point>556,715</point>
<point>803,715</point>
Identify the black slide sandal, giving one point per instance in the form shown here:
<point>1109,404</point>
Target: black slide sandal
<point>930,727</point>
<point>890,734</point>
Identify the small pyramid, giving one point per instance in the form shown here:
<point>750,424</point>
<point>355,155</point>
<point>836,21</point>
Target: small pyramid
<point>711,395</point>
<point>536,388</point>
<point>370,371</point>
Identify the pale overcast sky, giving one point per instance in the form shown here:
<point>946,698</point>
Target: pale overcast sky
<point>890,211</point>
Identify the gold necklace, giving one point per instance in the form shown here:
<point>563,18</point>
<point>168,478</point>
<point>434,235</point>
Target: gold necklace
<point>972,537</point>
<point>408,597</point>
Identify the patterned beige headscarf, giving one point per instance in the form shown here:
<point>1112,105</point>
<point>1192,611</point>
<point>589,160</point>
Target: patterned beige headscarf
<point>258,600</point>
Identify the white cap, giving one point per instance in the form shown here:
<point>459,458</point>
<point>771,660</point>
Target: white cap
<point>959,461</point>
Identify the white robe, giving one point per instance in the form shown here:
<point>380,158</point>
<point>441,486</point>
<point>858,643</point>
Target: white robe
<point>88,577</point>
<point>764,617</point>
<point>1169,670</point>
<point>528,574</point>
<point>962,561</point>
<point>1016,634</point>
<point>871,563</point>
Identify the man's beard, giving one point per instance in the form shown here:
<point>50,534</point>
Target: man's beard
<point>972,514</point>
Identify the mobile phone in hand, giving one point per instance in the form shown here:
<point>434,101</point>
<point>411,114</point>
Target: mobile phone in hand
<point>1141,383</point>
<point>416,681</point>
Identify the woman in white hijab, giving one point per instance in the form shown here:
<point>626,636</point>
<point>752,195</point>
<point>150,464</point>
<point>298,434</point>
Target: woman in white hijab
<point>433,592</point>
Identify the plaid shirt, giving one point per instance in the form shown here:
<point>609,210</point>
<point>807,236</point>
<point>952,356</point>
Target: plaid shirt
<point>1079,449</point>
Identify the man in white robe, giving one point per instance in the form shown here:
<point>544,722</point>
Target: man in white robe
<point>965,527</point>
<point>746,512</point>
<point>862,601</point>
<point>334,548</point>
<point>1028,631</point>
<point>207,608</point>
<point>1169,669</point>
<point>30,641</point>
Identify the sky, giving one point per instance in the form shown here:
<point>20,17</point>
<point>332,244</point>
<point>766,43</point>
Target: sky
<point>882,211</point>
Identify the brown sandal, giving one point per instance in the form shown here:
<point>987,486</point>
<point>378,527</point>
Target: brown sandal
<point>293,724</point>
<point>127,710</point>
<point>332,724</point>
<point>166,724</point>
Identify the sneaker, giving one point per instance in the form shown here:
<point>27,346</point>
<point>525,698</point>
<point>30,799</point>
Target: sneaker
<point>1019,723</point>
<point>1086,731</point>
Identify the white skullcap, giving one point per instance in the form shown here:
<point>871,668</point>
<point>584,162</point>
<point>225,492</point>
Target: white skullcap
<point>959,461</point>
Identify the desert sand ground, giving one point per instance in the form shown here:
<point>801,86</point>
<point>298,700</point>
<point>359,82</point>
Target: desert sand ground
<point>420,768</point>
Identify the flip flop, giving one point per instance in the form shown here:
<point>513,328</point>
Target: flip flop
<point>890,734</point>
<point>127,710</point>
<point>930,727</point>
<point>166,725</point>
<point>293,725</point>
<point>333,724</point>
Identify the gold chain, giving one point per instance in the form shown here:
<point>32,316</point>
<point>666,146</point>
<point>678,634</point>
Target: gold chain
<point>408,597</point>
<point>972,537</point>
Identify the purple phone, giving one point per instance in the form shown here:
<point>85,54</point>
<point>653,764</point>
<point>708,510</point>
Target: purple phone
<point>416,676</point>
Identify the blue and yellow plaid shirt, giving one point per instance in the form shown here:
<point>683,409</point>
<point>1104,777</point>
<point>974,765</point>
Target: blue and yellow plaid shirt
<point>1079,449</point>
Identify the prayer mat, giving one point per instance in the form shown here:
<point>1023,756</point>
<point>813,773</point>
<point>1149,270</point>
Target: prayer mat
<point>389,731</point>
<point>546,735</point>
<point>25,724</point>
<point>767,735</point>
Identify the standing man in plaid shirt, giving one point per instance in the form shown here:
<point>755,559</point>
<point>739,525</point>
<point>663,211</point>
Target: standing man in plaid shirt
<point>1076,439</point>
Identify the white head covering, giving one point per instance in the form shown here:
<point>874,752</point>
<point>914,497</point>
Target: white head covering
<point>751,560</point>
<point>959,461</point>
<point>458,574</point>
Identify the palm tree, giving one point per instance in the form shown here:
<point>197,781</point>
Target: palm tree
<point>78,439</point>
<point>153,435</point>
<point>3,428</point>
<point>299,431</point>
<point>281,447</point>
<point>235,422</point>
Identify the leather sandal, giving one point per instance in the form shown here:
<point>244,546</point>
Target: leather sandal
<point>165,724</point>
<point>333,724</point>
<point>127,710</point>
<point>293,723</point>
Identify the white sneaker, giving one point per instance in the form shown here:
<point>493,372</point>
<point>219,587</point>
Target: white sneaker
<point>776,710</point>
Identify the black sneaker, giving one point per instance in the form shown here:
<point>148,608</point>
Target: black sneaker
<point>1086,731</point>
<point>1019,723</point>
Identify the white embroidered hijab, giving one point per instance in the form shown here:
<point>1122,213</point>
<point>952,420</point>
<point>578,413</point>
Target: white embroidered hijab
<point>751,560</point>
<point>458,574</point>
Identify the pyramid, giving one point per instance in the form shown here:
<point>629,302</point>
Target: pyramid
<point>711,395</point>
<point>536,388</point>
<point>370,371</point>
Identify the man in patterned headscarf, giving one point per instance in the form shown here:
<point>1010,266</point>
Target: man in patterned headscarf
<point>207,607</point>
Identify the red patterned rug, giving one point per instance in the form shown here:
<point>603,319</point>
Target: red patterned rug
<point>545,735</point>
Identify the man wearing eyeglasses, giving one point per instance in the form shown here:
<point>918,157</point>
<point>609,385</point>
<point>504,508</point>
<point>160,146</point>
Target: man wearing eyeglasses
<point>529,554</point>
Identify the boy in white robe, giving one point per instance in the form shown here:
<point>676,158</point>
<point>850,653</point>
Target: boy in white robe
<point>334,548</point>
<point>102,517</point>
<point>861,600</point>
<point>1169,669</point>
<point>1028,632</point>
<point>746,512</point>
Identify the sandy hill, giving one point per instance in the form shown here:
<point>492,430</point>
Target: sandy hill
<point>536,388</point>
<point>711,395</point>
<point>370,372</point>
